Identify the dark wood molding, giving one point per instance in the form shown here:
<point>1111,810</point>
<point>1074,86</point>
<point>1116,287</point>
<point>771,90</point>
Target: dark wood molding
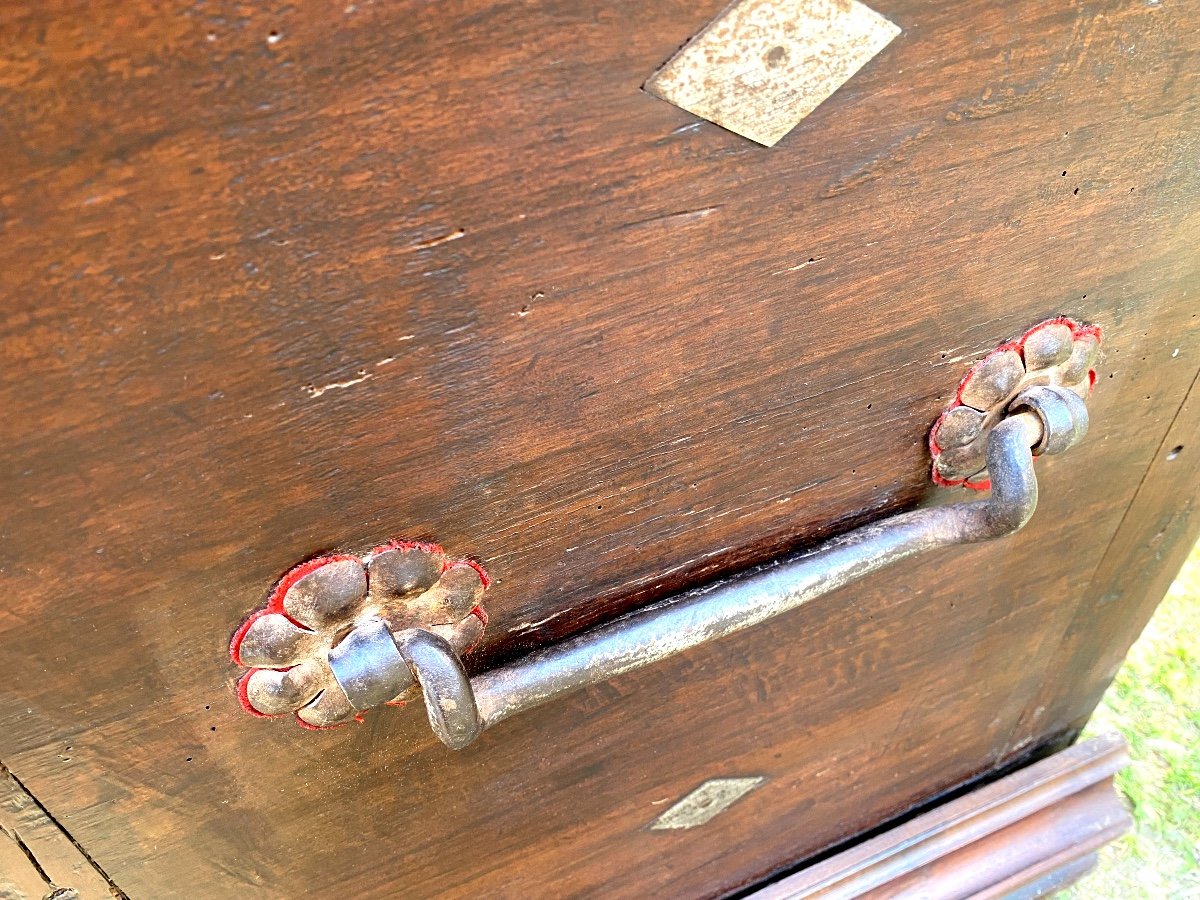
<point>1027,834</point>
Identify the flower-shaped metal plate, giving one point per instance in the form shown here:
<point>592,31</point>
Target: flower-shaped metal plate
<point>319,604</point>
<point>1060,352</point>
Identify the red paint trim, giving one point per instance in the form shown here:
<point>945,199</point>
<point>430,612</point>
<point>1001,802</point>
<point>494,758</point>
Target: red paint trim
<point>310,727</point>
<point>1078,330</point>
<point>235,642</point>
<point>288,581</point>
<point>402,544</point>
<point>275,599</point>
<point>484,578</point>
<point>481,614</point>
<point>243,696</point>
<point>274,604</point>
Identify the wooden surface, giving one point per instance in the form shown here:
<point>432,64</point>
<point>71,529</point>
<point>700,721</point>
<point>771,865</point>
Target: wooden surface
<point>1156,534</point>
<point>298,277</point>
<point>991,842</point>
<point>38,860</point>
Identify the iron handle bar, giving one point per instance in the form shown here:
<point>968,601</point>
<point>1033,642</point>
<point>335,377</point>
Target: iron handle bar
<point>1042,419</point>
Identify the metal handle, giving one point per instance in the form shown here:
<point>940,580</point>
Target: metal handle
<point>681,622</point>
<point>381,658</point>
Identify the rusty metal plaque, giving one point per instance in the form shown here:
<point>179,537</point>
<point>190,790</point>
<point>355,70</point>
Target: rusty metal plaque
<point>763,65</point>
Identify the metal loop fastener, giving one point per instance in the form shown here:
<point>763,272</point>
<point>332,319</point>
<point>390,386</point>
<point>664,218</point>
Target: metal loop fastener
<point>1063,414</point>
<point>449,697</point>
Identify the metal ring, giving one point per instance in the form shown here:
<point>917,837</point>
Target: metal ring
<point>368,667</point>
<point>1063,413</point>
<point>449,697</point>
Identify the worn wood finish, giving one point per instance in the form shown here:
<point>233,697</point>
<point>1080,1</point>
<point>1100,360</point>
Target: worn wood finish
<point>1157,532</point>
<point>303,277</point>
<point>37,858</point>
<point>1014,834</point>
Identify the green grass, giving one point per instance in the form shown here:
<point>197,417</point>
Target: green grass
<point>1155,703</point>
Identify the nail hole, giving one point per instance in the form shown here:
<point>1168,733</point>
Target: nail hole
<point>1175,451</point>
<point>189,759</point>
<point>274,37</point>
<point>214,728</point>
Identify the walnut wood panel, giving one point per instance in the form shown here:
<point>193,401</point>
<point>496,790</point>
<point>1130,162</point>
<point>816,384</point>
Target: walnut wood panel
<point>1157,532</point>
<point>297,277</point>
<point>996,840</point>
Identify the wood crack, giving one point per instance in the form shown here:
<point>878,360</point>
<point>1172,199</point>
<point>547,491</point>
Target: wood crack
<point>53,854</point>
<point>29,855</point>
<point>1117,547</point>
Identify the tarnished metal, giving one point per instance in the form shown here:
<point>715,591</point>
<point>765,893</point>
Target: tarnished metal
<point>449,698</point>
<point>1063,414</point>
<point>707,801</point>
<point>712,612</point>
<point>368,666</point>
<point>763,65</point>
<point>361,641</point>
<point>1057,353</point>
<point>323,647</point>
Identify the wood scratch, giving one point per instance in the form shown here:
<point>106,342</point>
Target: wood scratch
<point>443,239</point>
<point>676,218</point>
<point>525,626</point>
<point>808,262</point>
<point>874,166</point>
<point>363,375</point>
<point>314,391</point>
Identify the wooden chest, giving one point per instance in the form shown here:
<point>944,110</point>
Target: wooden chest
<point>282,281</point>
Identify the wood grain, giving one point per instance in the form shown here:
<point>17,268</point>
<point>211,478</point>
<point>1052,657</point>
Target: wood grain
<point>1156,534</point>
<point>991,842</point>
<point>293,278</point>
<point>38,860</point>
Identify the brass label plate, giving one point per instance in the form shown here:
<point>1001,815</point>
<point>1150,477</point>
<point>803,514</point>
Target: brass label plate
<point>763,65</point>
